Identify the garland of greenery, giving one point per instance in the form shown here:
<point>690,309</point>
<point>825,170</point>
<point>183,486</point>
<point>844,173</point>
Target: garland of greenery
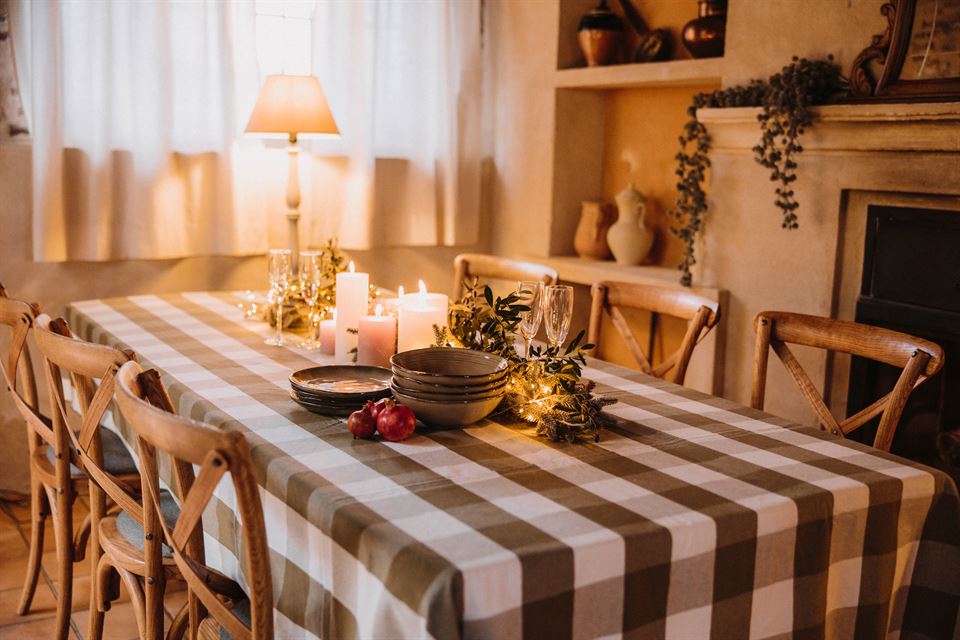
<point>546,388</point>
<point>785,100</point>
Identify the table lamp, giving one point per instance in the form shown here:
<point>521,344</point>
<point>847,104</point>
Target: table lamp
<point>292,105</point>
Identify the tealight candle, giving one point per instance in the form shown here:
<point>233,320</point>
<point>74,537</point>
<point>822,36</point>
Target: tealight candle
<point>328,335</point>
<point>377,340</point>
<point>352,292</point>
<point>419,312</point>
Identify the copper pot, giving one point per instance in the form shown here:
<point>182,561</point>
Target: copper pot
<point>704,36</point>
<point>600,34</point>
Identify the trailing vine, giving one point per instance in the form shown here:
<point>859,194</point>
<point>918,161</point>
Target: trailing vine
<point>785,99</point>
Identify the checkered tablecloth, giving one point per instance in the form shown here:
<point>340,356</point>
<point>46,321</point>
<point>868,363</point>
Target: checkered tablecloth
<point>692,517</point>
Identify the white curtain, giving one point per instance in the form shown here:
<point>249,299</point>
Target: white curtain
<point>139,107</point>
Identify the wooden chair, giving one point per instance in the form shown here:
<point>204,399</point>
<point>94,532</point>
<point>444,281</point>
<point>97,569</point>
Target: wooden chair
<point>126,541</point>
<point>469,266</point>
<point>146,407</point>
<point>56,479</point>
<point>919,359</point>
<point>702,314</point>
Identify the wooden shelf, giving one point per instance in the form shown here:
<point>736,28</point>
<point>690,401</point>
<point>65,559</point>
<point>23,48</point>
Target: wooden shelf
<point>675,73</point>
<point>584,271</point>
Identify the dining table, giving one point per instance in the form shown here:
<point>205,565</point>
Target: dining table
<point>691,517</point>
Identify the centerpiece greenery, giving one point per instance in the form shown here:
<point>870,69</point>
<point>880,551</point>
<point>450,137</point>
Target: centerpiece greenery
<point>785,100</point>
<point>545,387</point>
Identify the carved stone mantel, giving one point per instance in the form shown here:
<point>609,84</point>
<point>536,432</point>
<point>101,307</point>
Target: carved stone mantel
<point>931,127</point>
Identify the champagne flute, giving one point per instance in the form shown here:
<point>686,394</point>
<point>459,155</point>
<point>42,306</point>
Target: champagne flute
<point>557,311</point>
<point>278,268</point>
<point>309,276</point>
<point>531,294</point>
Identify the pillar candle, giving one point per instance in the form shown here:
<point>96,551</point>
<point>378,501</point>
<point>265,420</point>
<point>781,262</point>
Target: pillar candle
<point>328,335</point>
<point>352,292</point>
<point>377,340</point>
<point>418,314</point>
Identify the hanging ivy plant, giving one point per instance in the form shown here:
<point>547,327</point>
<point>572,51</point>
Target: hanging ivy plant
<point>785,100</point>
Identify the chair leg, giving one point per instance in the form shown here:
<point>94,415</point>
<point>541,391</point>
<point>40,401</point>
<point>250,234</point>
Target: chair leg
<point>38,516</point>
<point>63,530</point>
<point>180,624</point>
<point>100,581</point>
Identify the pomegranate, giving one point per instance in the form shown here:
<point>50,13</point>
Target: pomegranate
<point>362,423</point>
<point>379,406</point>
<point>396,422</point>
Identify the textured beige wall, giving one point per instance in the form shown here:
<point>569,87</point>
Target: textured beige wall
<point>53,285</point>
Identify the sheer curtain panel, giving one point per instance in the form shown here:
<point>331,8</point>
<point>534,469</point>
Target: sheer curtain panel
<point>139,107</point>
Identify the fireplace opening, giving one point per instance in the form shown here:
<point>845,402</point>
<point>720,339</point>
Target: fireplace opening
<point>911,283</point>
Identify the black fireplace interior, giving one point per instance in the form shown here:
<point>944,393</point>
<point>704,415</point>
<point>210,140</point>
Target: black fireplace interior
<point>911,283</point>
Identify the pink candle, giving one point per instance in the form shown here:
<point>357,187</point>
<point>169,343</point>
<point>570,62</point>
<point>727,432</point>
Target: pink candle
<point>377,340</point>
<point>328,336</point>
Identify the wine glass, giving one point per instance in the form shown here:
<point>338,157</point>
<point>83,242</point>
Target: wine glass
<point>309,276</point>
<point>557,312</point>
<point>278,268</point>
<point>531,294</point>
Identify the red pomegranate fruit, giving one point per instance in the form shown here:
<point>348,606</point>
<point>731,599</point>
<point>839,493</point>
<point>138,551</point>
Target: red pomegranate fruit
<point>396,422</point>
<point>362,423</point>
<point>379,406</point>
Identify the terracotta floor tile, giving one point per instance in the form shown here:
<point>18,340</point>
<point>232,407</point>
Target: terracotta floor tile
<point>12,573</point>
<point>173,601</point>
<point>12,544</point>
<point>43,605</point>
<point>120,623</point>
<point>36,630</point>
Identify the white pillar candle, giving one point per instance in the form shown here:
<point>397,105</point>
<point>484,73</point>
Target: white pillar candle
<point>392,305</point>
<point>353,290</point>
<point>328,335</point>
<point>419,312</point>
<point>377,340</point>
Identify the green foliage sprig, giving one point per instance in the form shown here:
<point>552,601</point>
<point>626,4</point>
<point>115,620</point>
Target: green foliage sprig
<point>785,99</point>
<point>545,388</point>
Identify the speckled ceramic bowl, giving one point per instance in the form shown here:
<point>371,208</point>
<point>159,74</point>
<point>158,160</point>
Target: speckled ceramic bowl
<point>449,366</point>
<point>446,413</point>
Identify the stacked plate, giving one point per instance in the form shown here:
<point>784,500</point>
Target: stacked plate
<point>338,390</point>
<point>446,386</point>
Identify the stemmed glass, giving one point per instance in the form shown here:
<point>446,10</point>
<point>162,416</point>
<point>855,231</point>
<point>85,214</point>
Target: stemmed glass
<point>557,311</point>
<point>311,263</point>
<point>531,294</point>
<point>278,268</point>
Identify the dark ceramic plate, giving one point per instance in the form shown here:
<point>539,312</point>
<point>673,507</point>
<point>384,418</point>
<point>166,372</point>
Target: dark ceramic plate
<point>343,382</point>
<point>326,409</point>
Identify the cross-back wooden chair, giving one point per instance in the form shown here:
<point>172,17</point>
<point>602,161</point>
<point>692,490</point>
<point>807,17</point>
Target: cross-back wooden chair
<point>146,407</point>
<point>127,541</point>
<point>918,358</point>
<point>470,266</point>
<point>701,314</point>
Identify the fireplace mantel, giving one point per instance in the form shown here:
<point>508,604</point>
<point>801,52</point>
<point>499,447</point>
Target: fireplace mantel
<point>925,127</point>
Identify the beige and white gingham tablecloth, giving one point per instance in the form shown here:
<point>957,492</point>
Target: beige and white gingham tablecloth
<point>693,517</point>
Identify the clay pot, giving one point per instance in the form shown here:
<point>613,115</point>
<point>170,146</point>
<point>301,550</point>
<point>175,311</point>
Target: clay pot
<point>629,238</point>
<point>590,240</point>
<point>600,33</point>
<point>704,36</point>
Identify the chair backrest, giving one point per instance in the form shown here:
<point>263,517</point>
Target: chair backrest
<point>470,266</point>
<point>216,452</point>
<point>84,362</point>
<point>918,358</point>
<point>701,314</point>
<point>17,368</point>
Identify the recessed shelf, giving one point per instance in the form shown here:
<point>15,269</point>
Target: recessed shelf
<point>675,73</point>
<point>585,271</point>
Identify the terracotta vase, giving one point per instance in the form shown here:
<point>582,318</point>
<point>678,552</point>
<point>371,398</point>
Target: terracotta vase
<point>590,240</point>
<point>600,33</point>
<point>704,36</point>
<point>629,238</point>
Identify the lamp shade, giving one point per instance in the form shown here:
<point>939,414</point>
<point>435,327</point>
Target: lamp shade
<point>291,105</point>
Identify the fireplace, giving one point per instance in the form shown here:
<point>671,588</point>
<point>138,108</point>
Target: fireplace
<point>911,283</point>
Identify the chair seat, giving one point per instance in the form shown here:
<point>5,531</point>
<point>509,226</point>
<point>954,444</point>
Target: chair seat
<point>116,458</point>
<point>131,530</point>
<point>211,629</point>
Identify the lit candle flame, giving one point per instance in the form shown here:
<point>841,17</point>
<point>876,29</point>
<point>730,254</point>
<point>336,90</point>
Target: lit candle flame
<point>378,311</point>
<point>351,268</point>
<point>423,288</point>
<point>400,291</point>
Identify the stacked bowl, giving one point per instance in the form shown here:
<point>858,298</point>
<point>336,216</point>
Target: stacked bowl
<point>447,386</point>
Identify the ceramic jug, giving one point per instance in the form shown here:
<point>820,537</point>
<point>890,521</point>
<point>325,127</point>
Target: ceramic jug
<point>629,238</point>
<point>590,240</point>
